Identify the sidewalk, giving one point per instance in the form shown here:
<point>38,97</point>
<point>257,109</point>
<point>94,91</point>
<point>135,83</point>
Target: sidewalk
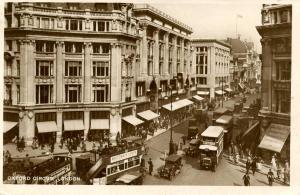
<point>264,168</point>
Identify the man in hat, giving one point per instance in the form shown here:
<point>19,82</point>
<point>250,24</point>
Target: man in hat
<point>150,163</point>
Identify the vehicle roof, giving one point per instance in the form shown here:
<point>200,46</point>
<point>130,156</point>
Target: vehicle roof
<point>212,131</point>
<point>129,177</point>
<point>173,157</point>
<point>194,141</point>
<point>224,119</point>
<point>208,147</point>
<point>221,110</point>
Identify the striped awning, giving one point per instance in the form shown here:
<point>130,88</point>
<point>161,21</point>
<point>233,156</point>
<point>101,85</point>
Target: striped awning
<point>46,126</point>
<point>197,97</point>
<point>275,137</point>
<point>148,115</point>
<point>99,124</point>
<point>8,125</point>
<point>73,125</point>
<point>132,120</point>
<point>178,104</point>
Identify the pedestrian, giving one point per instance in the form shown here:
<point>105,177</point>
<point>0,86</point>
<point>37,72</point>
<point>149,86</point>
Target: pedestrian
<point>248,165</point>
<point>274,164</point>
<point>270,177</point>
<point>22,144</point>
<point>26,161</point>
<point>253,166</point>
<point>150,163</point>
<point>246,179</point>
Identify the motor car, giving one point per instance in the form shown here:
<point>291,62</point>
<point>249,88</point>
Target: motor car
<point>193,149</point>
<point>171,168</point>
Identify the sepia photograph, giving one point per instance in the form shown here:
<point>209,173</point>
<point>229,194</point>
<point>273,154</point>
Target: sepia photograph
<point>155,94</point>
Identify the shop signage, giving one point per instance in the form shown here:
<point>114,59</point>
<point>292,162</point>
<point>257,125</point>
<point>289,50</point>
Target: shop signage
<point>123,156</point>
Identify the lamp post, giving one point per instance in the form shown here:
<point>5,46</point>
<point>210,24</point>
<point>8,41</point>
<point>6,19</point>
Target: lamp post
<point>171,144</point>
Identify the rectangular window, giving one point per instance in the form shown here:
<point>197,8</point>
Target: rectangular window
<point>283,70</point>
<point>202,80</point>
<point>73,93</point>
<point>73,68</point>
<point>8,68</point>
<point>7,95</point>
<point>71,47</point>
<point>101,48</point>
<point>100,68</point>
<point>44,68</point>
<point>100,93</point>
<point>101,26</point>
<point>18,94</point>
<point>283,101</point>
<point>45,23</point>
<point>44,94</point>
<point>44,46</point>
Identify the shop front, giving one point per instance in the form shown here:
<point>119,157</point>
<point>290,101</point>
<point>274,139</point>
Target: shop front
<point>98,130</point>
<point>149,118</point>
<point>130,124</point>
<point>73,129</point>
<point>46,132</point>
<point>10,130</point>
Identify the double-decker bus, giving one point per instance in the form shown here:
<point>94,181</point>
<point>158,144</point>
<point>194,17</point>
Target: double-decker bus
<point>53,171</point>
<point>211,147</point>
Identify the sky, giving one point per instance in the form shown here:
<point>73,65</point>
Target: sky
<point>218,20</point>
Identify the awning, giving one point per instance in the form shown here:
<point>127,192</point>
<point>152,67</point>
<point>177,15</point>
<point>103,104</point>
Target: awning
<point>46,126</point>
<point>275,137</point>
<point>225,119</point>
<point>178,104</point>
<point>99,124</point>
<point>203,92</point>
<point>8,125</point>
<point>220,92</point>
<point>73,125</point>
<point>208,147</point>
<point>148,115</point>
<point>127,178</point>
<point>197,97</point>
<point>132,120</point>
<point>228,90</point>
<point>250,129</point>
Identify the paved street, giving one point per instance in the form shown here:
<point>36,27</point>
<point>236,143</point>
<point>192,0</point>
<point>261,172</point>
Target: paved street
<point>226,174</point>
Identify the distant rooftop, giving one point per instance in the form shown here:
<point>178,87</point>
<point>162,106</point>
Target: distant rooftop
<point>211,40</point>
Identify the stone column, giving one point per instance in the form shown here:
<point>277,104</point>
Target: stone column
<point>266,83</point>
<point>14,84</point>
<point>86,123</point>
<point>212,70</point>
<point>181,66</point>
<point>59,123</point>
<point>166,55</point>
<point>27,65</point>
<point>59,72</point>
<point>115,70</point>
<point>26,125</point>
<point>156,52</point>
<point>174,56</point>
<point>144,54</point>
<point>87,72</point>
<point>115,121</point>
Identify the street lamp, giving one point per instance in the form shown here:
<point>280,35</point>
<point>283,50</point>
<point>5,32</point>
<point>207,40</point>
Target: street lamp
<point>171,144</point>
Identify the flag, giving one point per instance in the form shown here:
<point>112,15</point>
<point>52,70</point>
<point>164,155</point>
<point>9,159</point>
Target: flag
<point>239,16</point>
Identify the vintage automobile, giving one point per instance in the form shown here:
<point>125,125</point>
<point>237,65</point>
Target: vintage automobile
<point>193,149</point>
<point>171,168</point>
<point>132,178</point>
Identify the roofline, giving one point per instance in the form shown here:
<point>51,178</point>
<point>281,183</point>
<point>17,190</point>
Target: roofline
<point>275,6</point>
<point>139,7</point>
<point>211,41</point>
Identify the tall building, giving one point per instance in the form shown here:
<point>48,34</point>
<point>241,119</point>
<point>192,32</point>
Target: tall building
<point>79,69</point>
<point>276,78</point>
<point>212,60</point>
